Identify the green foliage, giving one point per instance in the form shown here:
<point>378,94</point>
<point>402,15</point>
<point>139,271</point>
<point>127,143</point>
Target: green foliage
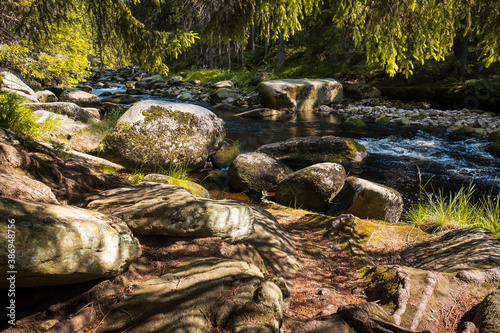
<point>437,211</point>
<point>15,116</point>
<point>216,75</point>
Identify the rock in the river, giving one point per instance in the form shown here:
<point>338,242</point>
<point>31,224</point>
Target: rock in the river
<point>257,172</point>
<point>10,82</point>
<point>25,188</point>
<point>488,314</point>
<point>310,150</point>
<point>188,297</point>
<point>81,98</point>
<point>63,244</point>
<point>68,109</point>
<point>224,84</point>
<point>456,250</point>
<point>163,134</point>
<point>313,187</point>
<point>46,96</point>
<point>161,209</point>
<point>494,148</point>
<point>224,95</point>
<point>299,94</point>
<point>362,91</point>
<point>121,99</point>
<point>366,199</point>
<point>148,82</point>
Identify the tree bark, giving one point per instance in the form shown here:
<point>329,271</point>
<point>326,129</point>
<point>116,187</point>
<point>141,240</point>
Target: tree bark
<point>266,42</point>
<point>281,50</point>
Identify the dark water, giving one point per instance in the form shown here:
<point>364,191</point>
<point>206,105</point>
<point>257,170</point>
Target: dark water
<point>400,157</point>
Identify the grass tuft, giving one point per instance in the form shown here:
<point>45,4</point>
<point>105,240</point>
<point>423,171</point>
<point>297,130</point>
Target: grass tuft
<point>436,211</point>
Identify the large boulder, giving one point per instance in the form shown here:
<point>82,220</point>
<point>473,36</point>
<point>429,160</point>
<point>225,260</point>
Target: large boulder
<point>68,109</point>
<point>299,94</point>
<point>456,250</point>
<point>362,91</point>
<point>80,98</point>
<point>63,244</point>
<point>313,187</point>
<point>164,134</point>
<point>10,82</point>
<point>312,149</point>
<point>257,172</point>
<point>193,297</point>
<point>488,314</point>
<point>366,199</point>
<point>163,209</point>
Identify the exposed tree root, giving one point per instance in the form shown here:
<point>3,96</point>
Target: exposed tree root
<point>364,321</point>
<point>403,294</point>
<point>337,223</point>
<point>430,286</point>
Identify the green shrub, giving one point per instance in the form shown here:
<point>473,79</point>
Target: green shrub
<point>15,116</point>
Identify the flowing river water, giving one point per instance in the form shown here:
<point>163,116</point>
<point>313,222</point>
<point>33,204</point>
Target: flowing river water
<point>402,157</point>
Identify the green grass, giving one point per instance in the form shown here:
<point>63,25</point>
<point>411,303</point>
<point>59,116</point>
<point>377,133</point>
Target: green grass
<point>15,116</point>
<point>462,209</point>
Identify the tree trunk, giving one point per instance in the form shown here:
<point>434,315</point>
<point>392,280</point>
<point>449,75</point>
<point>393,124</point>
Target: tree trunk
<point>266,43</point>
<point>281,50</point>
<point>461,51</point>
<point>252,39</point>
<point>229,56</point>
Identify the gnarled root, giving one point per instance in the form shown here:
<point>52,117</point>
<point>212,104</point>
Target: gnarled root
<point>430,286</point>
<point>403,294</point>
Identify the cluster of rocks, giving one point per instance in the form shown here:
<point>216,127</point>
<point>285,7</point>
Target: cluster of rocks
<point>322,185</point>
<point>455,121</point>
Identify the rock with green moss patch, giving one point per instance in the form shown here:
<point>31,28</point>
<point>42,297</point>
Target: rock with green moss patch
<point>494,148</point>
<point>313,187</point>
<point>299,94</point>
<point>382,120</point>
<point>224,95</point>
<point>354,121</point>
<point>157,134</point>
<point>257,172</point>
<point>226,154</point>
<point>63,244</point>
<point>196,189</point>
<point>170,210</point>
<point>312,149</point>
<point>366,199</point>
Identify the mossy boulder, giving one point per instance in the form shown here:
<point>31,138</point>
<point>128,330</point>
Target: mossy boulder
<point>299,94</point>
<point>313,187</point>
<point>196,189</point>
<point>494,148</point>
<point>354,121</point>
<point>170,210</point>
<point>224,95</point>
<point>63,244</point>
<point>226,154</point>
<point>163,135</point>
<point>312,149</point>
<point>366,199</point>
<point>257,172</point>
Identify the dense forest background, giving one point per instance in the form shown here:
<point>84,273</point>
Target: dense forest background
<point>56,42</point>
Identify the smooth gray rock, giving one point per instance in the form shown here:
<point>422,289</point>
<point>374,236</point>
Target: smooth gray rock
<point>367,200</point>
<point>68,109</point>
<point>63,244</point>
<point>81,98</point>
<point>164,209</point>
<point>313,187</point>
